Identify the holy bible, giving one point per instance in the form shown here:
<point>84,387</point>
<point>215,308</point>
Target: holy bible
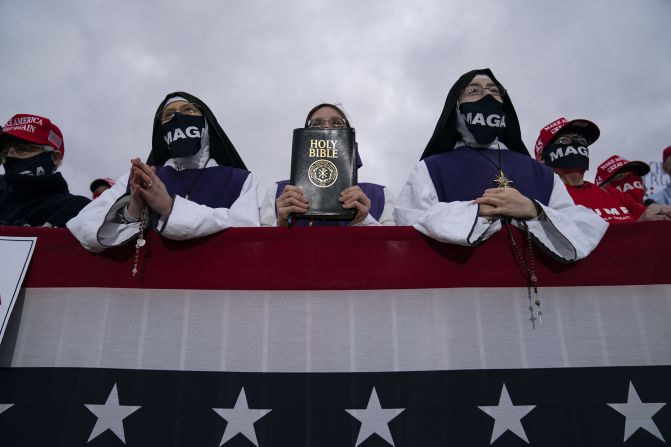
<point>323,165</point>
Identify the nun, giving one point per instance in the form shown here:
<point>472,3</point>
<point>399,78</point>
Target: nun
<point>372,202</point>
<point>476,177</point>
<point>193,184</point>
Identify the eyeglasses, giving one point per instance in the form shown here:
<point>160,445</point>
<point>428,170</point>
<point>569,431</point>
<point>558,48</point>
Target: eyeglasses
<point>334,121</point>
<point>186,109</point>
<point>22,147</point>
<point>570,138</point>
<point>478,90</point>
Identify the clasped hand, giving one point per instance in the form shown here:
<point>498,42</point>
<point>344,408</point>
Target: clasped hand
<point>505,202</point>
<point>656,212</point>
<point>292,200</point>
<point>146,189</point>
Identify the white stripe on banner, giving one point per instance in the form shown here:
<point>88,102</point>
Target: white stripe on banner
<point>16,255</point>
<point>339,331</point>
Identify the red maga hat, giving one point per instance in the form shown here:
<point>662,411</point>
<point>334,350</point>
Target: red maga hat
<point>95,184</point>
<point>548,133</point>
<point>614,164</point>
<point>666,153</point>
<point>35,129</point>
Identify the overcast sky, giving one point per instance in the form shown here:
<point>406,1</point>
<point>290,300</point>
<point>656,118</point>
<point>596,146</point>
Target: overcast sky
<point>100,68</point>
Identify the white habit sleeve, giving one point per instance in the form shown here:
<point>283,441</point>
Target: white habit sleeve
<point>453,222</point>
<point>268,215</point>
<point>96,226</point>
<point>568,231</point>
<point>189,220</point>
<point>387,216</point>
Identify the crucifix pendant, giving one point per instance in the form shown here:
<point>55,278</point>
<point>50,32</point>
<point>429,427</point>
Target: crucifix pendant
<point>502,181</point>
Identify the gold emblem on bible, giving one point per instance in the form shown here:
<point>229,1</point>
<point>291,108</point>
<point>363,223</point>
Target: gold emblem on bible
<point>323,173</point>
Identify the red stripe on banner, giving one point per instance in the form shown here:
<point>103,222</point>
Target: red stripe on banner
<point>336,258</point>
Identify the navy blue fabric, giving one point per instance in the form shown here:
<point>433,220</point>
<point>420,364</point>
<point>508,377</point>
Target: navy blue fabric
<point>36,200</point>
<point>463,174</point>
<point>374,192</point>
<point>221,148</point>
<point>216,187</point>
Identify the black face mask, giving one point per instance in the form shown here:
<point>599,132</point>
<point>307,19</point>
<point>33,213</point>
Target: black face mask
<point>484,118</point>
<point>572,156</point>
<point>40,164</point>
<point>182,134</point>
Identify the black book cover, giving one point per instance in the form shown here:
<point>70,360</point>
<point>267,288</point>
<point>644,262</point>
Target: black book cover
<point>323,165</point>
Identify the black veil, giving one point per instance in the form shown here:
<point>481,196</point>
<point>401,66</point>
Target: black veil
<point>446,135</point>
<point>221,148</point>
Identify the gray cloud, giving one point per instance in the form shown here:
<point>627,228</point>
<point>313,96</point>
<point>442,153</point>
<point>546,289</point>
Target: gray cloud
<point>99,69</point>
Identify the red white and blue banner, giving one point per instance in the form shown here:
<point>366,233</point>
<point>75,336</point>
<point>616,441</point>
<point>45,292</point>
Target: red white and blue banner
<point>338,337</point>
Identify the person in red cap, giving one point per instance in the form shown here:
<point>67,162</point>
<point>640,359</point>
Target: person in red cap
<point>31,149</point>
<point>99,186</point>
<point>623,175</point>
<point>563,145</point>
<point>664,196</point>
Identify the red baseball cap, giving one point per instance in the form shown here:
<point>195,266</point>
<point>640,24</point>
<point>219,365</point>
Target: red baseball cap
<point>666,153</point>
<point>35,129</point>
<point>614,164</point>
<point>101,182</point>
<point>549,132</point>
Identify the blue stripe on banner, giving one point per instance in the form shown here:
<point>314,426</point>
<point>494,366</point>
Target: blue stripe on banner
<point>546,407</point>
<point>426,367</point>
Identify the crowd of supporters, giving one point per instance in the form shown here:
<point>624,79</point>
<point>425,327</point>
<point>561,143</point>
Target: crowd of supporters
<point>474,177</point>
